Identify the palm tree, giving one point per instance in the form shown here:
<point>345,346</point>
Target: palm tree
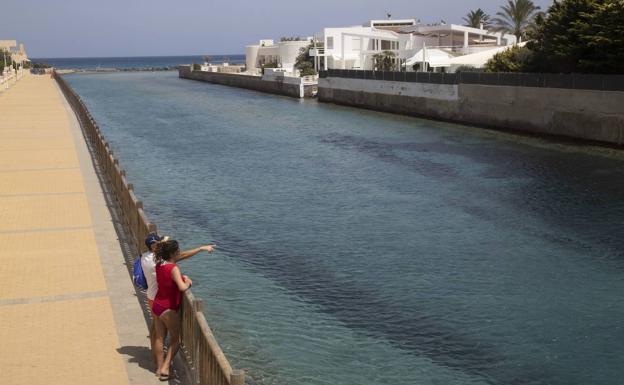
<point>516,17</point>
<point>475,18</point>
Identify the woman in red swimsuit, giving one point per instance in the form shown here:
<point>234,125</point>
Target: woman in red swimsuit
<point>171,283</point>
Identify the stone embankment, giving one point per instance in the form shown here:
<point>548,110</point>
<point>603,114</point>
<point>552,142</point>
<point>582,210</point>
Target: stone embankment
<point>579,113</point>
<point>278,87</point>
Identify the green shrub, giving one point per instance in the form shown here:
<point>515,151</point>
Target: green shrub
<point>39,65</point>
<point>385,61</point>
<point>583,36</point>
<point>580,36</point>
<point>514,59</point>
<point>305,62</point>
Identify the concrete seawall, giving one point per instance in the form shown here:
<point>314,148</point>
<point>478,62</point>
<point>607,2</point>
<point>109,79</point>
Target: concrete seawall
<point>249,82</point>
<point>581,114</point>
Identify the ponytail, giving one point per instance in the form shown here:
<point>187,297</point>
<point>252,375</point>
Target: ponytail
<point>165,249</point>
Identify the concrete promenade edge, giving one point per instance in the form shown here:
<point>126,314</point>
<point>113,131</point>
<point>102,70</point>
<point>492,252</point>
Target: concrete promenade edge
<point>68,311</point>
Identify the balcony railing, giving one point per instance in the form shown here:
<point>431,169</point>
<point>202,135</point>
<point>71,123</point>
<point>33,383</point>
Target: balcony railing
<point>320,51</point>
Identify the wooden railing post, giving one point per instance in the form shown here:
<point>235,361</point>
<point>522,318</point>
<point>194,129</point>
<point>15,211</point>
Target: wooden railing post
<point>237,377</point>
<point>196,354</point>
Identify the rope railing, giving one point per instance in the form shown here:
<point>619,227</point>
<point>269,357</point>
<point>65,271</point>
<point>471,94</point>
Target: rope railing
<point>207,362</point>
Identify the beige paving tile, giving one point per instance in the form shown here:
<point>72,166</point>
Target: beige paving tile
<point>10,133</point>
<point>56,321</point>
<point>41,182</point>
<point>63,342</point>
<point>20,143</point>
<point>44,264</point>
<point>37,159</point>
<point>19,213</point>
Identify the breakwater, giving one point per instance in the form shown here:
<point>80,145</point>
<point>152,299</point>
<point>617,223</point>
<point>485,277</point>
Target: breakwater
<point>277,87</point>
<point>575,111</point>
<point>205,359</point>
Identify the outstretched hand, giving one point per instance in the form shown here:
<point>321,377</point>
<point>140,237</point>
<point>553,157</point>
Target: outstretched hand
<point>208,248</point>
<point>189,253</point>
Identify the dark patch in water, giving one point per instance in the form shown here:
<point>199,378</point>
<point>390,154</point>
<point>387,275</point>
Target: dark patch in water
<point>411,329</point>
<point>385,152</point>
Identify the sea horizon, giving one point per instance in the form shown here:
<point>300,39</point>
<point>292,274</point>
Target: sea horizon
<point>137,56</point>
<point>125,62</point>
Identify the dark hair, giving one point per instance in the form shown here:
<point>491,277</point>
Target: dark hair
<point>164,250</point>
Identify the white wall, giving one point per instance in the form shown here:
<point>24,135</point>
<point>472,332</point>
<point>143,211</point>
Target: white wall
<point>288,52</point>
<point>268,54</point>
<point>251,56</point>
<point>422,90</point>
<point>284,53</point>
<point>352,46</point>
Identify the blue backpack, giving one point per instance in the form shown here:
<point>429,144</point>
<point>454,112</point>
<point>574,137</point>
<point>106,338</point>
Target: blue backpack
<point>137,275</point>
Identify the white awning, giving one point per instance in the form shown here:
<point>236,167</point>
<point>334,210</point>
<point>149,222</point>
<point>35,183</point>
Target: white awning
<point>479,59</point>
<point>433,56</point>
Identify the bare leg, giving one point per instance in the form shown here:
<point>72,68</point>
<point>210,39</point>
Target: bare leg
<point>158,332</point>
<point>171,319</point>
<point>152,337</point>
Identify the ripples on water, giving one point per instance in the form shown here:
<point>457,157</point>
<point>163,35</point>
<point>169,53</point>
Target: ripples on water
<point>366,248</point>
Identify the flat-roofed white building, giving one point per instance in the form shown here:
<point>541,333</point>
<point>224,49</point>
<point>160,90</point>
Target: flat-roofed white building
<point>283,53</point>
<point>355,47</point>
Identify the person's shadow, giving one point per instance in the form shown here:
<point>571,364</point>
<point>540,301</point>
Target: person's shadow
<point>141,355</point>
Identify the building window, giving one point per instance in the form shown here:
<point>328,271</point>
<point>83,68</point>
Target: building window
<point>387,45</point>
<point>330,42</point>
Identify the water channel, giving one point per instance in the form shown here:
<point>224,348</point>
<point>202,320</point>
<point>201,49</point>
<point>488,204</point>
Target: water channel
<point>358,247</point>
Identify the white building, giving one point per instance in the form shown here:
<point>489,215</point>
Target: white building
<point>17,53</point>
<point>415,46</point>
<point>283,54</point>
<point>353,47</point>
<point>10,75</point>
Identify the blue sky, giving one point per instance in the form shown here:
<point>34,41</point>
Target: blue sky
<point>84,28</point>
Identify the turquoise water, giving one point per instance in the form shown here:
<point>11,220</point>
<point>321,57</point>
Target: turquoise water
<point>364,248</point>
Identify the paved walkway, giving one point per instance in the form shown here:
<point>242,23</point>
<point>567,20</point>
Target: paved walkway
<point>68,311</point>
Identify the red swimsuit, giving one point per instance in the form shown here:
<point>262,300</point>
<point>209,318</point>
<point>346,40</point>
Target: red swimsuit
<point>168,295</point>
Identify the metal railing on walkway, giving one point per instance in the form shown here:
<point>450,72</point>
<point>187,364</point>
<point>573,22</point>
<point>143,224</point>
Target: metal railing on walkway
<point>207,362</point>
<point>570,81</point>
<point>7,81</point>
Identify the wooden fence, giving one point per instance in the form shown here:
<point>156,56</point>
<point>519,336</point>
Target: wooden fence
<point>208,364</point>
